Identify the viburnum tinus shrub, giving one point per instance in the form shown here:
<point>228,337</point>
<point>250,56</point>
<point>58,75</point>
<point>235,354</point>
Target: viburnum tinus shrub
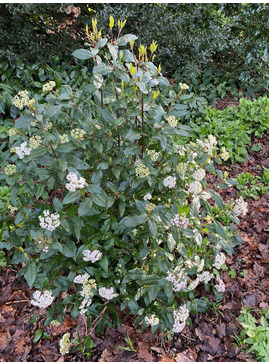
<point>109,211</point>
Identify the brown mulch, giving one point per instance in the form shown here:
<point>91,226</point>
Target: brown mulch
<point>210,338</point>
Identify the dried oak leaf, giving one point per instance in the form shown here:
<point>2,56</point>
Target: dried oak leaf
<point>5,339</point>
<point>143,352</point>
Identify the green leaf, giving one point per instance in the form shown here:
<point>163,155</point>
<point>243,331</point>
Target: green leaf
<point>104,263</point>
<point>84,206</point>
<point>38,152</point>
<point>23,121</point>
<point>132,221</point>
<point>152,228</point>
<point>71,197</point>
<point>220,230</point>
<point>171,243</point>
<point>38,335</point>
<point>82,54</point>
<point>30,271</point>
<point>65,225</point>
<point>133,275</point>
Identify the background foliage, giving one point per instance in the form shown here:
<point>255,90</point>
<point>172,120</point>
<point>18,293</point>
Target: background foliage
<point>197,42</point>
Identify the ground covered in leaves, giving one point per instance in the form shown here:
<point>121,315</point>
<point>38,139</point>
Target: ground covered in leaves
<point>210,338</point>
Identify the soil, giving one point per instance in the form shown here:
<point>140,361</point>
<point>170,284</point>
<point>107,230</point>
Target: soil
<point>210,338</point>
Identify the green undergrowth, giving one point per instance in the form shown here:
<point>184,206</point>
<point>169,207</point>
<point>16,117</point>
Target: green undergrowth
<point>254,336</point>
<point>234,126</point>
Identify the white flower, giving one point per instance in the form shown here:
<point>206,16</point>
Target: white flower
<point>152,320</point>
<point>193,284</point>
<point>148,196</point>
<point>88,290</point>
<point>199,175</point>
<point>178,278</point>
<point>178,326</point>
<point>219,260</point>
<point>93,256</point>
<point>22,150</point>
<point>195,187</point>
<point>35,141</point>
<point>220,287</point>
<point>170,181</point>
<point>180,318</point>
<point>107,293</point>
<point>63,138</point>
<point>141,170</point>
<point>205,277</point>
<point>80,279</point>
<point>224,154</point>
<point>42,300</point>
<point>74,182</point>
<point>78,133</point>
<point>240,207</point>
<point>50,221</point>
<point>65,344</point>
<point>48,86</point>
<point>10,169</point>
<point>180,221</point>
<point>153,154</point>
<point>183,86</point>
<point>21,100</point>
<point>46,249</point>
<point>172,121</point>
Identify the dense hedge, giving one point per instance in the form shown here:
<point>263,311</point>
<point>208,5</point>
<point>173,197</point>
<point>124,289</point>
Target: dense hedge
<point>229,41</point>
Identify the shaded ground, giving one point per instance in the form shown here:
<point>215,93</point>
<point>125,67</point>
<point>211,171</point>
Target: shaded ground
<point>208,339</point>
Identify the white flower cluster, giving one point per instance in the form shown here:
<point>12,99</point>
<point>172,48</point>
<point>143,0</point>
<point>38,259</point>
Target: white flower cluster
<point>91,255</point>
<point>178,277</point>
<point>153,154</point>
<point>48,126</point>
<point>180,221</point>
<point>49,221</point>
<point>195,188</point>
<point>88,290</point>
<point>193,284</point>
<point>22,150</point>
<point>63,138</point>
<point>205,277</point>
<point>147,197</point>
<point>12,209</point>
<point>12,132</point>
<point>65,344</point>
<point>170,182</point>
<point>183,86</point>
<point>152,320</point>
<point>180,318</point>
<point>10,169</point>
<point>48,86</point>
<point>107,293</point>
<point>199,175</point>
<point>22,99</point>
<point>208,144</point>
<point>141,170</point>
<point>33,123</point>
<point>42,300</point>
<point>74,182</point>
<point>240,207</point>
<point>80,279</point>
<point>35,141</point>
<point>46,249</point>
<point>150,207</point>
<point>78,133</point>
<point>224,154</point>
<point>220,287</point>
<point>172,121</point>
<point>219,260</point>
